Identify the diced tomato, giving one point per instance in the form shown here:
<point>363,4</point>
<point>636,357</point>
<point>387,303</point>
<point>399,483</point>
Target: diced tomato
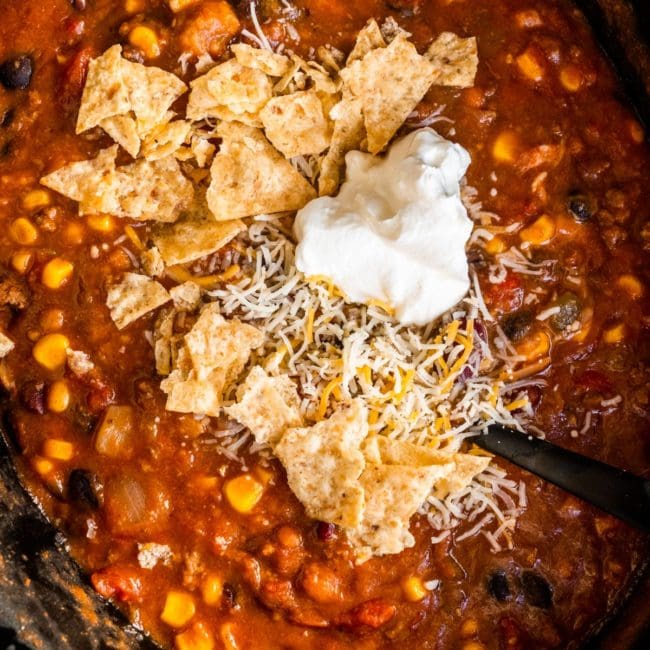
<point>373,613</point>
<point>594,381</point>
<point>121,583</point>
<point>505,296</point>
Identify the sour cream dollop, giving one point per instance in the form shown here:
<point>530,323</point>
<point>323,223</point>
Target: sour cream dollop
<point>397,230</point>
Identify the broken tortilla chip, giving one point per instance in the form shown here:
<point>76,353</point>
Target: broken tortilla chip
<point>266,405</point>
<point>390,82</point>
<point>229,91</point>
<point>191,239</point>
<point>123,130</point>
<point>270,63</point>
<point>368,39</point>
<point>455,60</point>
<point>133,297</point>
<point>250,177</point>
<point>156,191</point>
<point>165,139</point>
<point>393,494</point>
<point>324,463</point>
<point>212,355</point>
<point>6,345</point>
<point>348,133</point>
<point>93,183</point>
<point>105,93</point>
<point>466,467</point>
<point>186,296</point>
<point>296,124</point>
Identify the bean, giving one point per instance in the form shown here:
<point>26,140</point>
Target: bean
<point>16,73</point>
<point>516,324</point>
<point>81,488</point>
<point>33,395</point>
<point>498,586</point>
<point>569,312</point>
<point>79,5</point>
<point>537,591</point>
<point>581,207</point>
<point>325,531</point>
<point>7,117</point>
<point>228,596</point>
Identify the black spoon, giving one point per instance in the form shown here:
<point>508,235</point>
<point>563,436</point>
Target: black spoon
<point>620,493</point>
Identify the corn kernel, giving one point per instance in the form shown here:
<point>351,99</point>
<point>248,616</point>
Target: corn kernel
<point>212,589</point>
<point>535,345</point>
<point>21,261</point>
<point>145,39</point>
<point>23,231</point>
<point>495,245</point>
<point>636,132</point>
<point>631,285</point>
<point>180,5</point>
<point>51,351</point>
<point>571,78</point>
<point>74,233</point>
<point>56,273</point>
<point>505,147</point>
<point>42,466</point>
<point>614,334</point>
<point>134,6</point>
<point>413,589</point>
<point>101,222</point>
<point>36,199</point>
<point>469,627</point>
<point>58,449</point>
<point>529,66</point>
<point>539,232</point>
<point>179,609</point>
<point>58,397</point>
<point>243,493</point>
<point>195,638</point>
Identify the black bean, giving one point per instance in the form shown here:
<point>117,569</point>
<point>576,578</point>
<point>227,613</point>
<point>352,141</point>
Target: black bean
<point>581,207</point>
<point>7,117</point>
<point>537,591</point>
<point>33,396</point>
<point>229,596</point>
<point>16,73</point>
<point>82,489</point>
<point>516,325</point>
<point>498,586</point>
<point>79,5</point>
<point>569,311</point>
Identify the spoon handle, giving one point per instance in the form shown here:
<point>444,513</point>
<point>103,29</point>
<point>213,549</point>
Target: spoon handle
<point>620,493</point>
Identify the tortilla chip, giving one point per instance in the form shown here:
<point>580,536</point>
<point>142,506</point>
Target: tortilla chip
<point>162,340</point>
<point>213,354</point>
<point>133,297</point>
<point>156,191</point>
<point>368,39</point>
<point>348,133</point>
<point>186,296</point>
<point>190,239</point>
<point>393,494</point>
<point>251,177</point>
<point>266,405</point>
<point>296,125</point>
<point>115,86</point>
<point>123,130</point>
<point>203,150</point>
<point>466,468</point>
<point>151,92</point>
<point>382,450</point>
<point>152,262</point>
<point>229,91</point>
<point>93,183</point>
<point>455,60</point>
<point>390,82</point>
<point>319,76</point>
<point>324,463</point>
<point>105,93</point>
<point>6,345</point>
<point>270,63</point>
<point>165,139</point>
